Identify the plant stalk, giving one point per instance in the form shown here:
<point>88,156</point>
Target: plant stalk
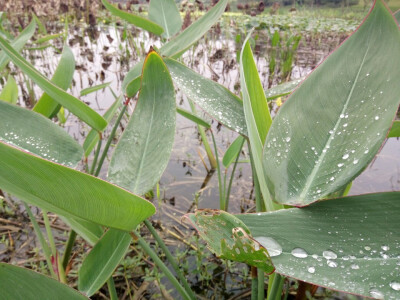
<point>111,289</point>
<point>221,193</point>
<point>170,259</point>
<point>96,155</point>
<point>254,284</point>
<point>146,247</point>
<point>43,243</point>
<point>276,289</point>
<point>68,248</point>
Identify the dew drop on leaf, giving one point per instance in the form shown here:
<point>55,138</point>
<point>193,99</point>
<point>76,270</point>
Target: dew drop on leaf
<point>299,253</point>
<point>311,270</point>
<point>328,254</point>
<point>395,285</point>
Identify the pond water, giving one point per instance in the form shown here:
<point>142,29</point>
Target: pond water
<point>186,183</point>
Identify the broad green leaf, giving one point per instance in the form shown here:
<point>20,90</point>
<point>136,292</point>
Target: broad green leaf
<point>214,98</point>
<point>95,88</point>
<point>68,192</point>
<point>20,283</point>
<point>34,133</point>
<point>131,82</point>
<point>188,115</point>
<point>334,123</point>
<point>143,151</point>
<point>18,43</point>
<point>9,93</point>
<point>93,136</point>
<point>138,161</point>
<point>134,19</point>
<point>102,260</point>
<point>62,78</point>
<point>282,89</point>
<point>256,112</point>
<point>395,130</point>
<point>233,151</point>
<point>90,231</point>
<point>351,244</point>
<point>166,14</point>
<point>195,31</point>
<point>78,108</point>
<point>253,92</point>
<point>229,238</point>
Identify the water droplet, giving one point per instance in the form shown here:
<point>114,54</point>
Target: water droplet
<point>287,139</point>
<point>332,178</point>
<point>376,294</point>
<point>311,270</point>
<point>299,253</point>
<point>340,165</point>
<point>377,118</point>
<point>355,161</point>
<point>331,263</point>
<point>395,285</point>
<point>273,247</point>
<point>367,248</point>
<point>346,156</point>
<point>355,267</point>
<point>385,248</point>
<point>367,74</point>
<point>329,254</point>
<point>341,116</point>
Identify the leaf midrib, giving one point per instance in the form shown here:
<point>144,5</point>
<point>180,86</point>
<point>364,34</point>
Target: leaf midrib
<point>146,143</point>
<point>317,166</point>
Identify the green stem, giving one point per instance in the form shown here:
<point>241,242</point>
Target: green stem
<point>276,290</point>
<point>210,155</point>
<point>68,248</point>
<point>170,259</point>
<point>270,283</point>
<point>231,179</point>
<point>163,267</point>
<point>260,275</point>
<point>110,138</point>
<point>96,155</point>
<point>254,284</point>
<point>49,233</point>
<point>111,289</point>
<point>221,195</point>
<point>43,243</point>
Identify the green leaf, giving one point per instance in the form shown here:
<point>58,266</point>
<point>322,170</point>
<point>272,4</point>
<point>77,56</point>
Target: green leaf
<point>134,19</point>
<point>214,98</point>
<point>68,192</point>
<point>253,93</point>
<point>229,238</point>
<point>93,136</point>
<point>91,232</point>
<point>20,283</point>
<point>166,14</point>
<point>282,89</point>
<point>62,78</point>
<point>78,108</point>
<point>233,151</point>
<point>95,88</point>
<point>143,151</point>
<point>334,123</point>
<point>395,130</point>
<point>131,82</point>
<point>188,115</point>
<point>18,43</point>
<point>42,137</point>
<point>350,243</point>
<point>102,260</point>
<point>256,112</point>
<point>9,93</point>
<point>48,38</point>
<point>194,32</point>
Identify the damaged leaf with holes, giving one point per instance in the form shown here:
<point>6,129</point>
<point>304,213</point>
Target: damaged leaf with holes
<point>229,238</point>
